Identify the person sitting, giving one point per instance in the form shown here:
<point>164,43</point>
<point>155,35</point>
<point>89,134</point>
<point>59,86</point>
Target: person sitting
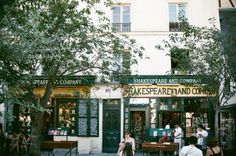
<point>25,143</point>
<point>126,139</point>
<point>127,151</point>
<point>20,140</point>
<point>213,148</point>
<point>14,145</point>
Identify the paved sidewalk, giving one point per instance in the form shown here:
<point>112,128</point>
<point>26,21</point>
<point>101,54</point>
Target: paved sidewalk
<point>61,153</point>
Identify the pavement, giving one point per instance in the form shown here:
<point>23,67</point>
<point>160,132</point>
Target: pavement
<point>56,153</point>
<point>62,153</point>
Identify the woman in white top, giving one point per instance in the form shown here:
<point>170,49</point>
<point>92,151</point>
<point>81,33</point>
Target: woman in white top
<point>191,149</point>
<point>201,135</point>
<point>178,136</point>
<point>129,139</point>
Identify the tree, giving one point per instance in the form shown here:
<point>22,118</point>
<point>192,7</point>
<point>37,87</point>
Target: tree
<point>202,51</point>
<point>58,38</point>
<point>4,5</point>
<point>228,28</point>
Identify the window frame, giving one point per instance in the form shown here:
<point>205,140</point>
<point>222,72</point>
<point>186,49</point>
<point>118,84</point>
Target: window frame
<point>121,26</point>
<point>175,24</point>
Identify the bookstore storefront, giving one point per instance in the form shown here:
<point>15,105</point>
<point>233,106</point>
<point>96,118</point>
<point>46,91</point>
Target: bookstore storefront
<point>228,127</point>
<point>87,113</point>
<point>72,114</point>
<point>150,103</point>
<point>68,106</point>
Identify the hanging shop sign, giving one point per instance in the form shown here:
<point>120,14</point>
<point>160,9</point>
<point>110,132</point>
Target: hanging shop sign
<point>81,91</point>
<point>65,80</point>
<point>163,91</point>
<point>166,79</point>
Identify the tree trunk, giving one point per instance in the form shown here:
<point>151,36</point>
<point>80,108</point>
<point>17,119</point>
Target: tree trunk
<point>36,129</point>
<point>37,122</point>
<point>217,123</point>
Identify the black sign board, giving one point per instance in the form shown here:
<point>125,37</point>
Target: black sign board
<point>65,80</point>
<point>88,120</point>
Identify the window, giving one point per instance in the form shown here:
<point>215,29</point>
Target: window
<point>126,62</point>
<point>121,65</point>
<point>121,18</point>
<point>176,11</point>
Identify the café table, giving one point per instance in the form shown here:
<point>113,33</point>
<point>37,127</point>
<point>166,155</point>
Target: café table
<point>159,148</point>
<point>50,145</point>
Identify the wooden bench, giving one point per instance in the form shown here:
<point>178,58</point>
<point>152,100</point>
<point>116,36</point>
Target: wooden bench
<point>50,145</point>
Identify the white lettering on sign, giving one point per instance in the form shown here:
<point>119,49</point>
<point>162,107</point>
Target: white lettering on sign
<point>165,81</point>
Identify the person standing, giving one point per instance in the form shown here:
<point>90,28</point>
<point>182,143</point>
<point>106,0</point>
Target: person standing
<point>178,136</point>
<point>191,149</point>
<point>213,148</point>
<point>201,135</point>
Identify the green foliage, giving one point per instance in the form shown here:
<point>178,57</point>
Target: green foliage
<point>180,59</point>
<point>59,37</point>
<point>201,51</point>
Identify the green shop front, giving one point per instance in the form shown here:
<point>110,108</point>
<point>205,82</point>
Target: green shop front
<point>70,110</point>
<point>151,102</point>
<point>72,115</point>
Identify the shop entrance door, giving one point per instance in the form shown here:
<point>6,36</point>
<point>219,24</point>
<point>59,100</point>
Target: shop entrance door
<point>138,127</point>
<point>111,125</point>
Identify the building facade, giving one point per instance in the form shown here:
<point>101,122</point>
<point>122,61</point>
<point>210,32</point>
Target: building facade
<point>97,115</point>
<point>145,113</point>
<point>227,12</point>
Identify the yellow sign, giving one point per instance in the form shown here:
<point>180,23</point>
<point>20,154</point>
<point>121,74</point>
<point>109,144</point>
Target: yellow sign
<point>80,91</point>
<point>163,91</point>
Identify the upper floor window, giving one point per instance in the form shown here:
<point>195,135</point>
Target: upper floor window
<point>121,18</point>
<point>176,10</point>
<point>121,63</point>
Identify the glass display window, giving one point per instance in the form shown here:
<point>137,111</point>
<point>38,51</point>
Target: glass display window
<point>176,103</point>
<point>164,103</point>
<point>153,112</point>
<point>67,115</point>
<point>195,114</point>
